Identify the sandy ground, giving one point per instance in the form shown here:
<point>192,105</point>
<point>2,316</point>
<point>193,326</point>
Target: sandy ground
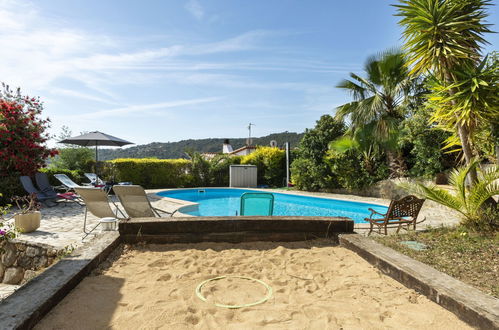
<point>315,286</point>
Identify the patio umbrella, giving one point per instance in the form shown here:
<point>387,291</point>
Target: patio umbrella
<point>96,139</point>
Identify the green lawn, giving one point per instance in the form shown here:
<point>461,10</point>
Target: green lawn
<point>470,257</point>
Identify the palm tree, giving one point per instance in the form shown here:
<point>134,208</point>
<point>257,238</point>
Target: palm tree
<point>379,102</point>
<point>469,201</point>
<point>442,36</point>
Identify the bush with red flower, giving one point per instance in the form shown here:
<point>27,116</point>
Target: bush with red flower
<point>23,137</point>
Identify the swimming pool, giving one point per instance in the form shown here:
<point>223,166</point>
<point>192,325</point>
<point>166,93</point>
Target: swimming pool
<point>226,202</point>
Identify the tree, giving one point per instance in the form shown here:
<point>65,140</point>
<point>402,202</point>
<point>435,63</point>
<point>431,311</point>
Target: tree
<point>380,103</point>
<point>23,134</point>
<point>442,37</point>
<point>309,170</point>
<point>72,157</point>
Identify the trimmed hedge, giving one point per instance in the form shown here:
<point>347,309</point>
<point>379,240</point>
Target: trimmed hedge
<point>271,164</point>
<point>151,173</point>
<point>76,176</point>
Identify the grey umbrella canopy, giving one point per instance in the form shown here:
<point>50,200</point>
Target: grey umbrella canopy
<point>96,139</point>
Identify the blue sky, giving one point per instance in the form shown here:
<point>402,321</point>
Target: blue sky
<point>171,70</point>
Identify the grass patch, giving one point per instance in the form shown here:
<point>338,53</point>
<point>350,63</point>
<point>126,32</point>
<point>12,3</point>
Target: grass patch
<point>468,256</point>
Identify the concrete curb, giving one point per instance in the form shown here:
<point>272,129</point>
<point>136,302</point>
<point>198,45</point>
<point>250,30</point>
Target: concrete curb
<point>469,304</point>
<point>29,304</point>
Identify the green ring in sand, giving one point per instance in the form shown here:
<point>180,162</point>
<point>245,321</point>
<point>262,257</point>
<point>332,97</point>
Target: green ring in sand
<point>267,297</point>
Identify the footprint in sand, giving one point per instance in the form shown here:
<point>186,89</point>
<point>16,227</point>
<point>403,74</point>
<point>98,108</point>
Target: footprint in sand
<point>158,263</point>
<point>192,319</point>
<point>165,277</point>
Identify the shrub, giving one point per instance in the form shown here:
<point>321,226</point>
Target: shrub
<point>475,203</point>
<point>22,135</point>
<point>74,159</point>
<point>219,169</point>
<point>10,186</point>
<point>151,173</point>
<point>270,163</point>
<point>76,176</point>
<point>309,170</point>
<point>350,172</point>
<point>424,143</point>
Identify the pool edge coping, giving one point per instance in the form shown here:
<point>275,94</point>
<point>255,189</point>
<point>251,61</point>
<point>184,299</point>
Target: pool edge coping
<point>154,193</point>
<point>468,303</point>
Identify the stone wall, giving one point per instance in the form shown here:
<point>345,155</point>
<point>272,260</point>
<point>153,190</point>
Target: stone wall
<point>20,261</point>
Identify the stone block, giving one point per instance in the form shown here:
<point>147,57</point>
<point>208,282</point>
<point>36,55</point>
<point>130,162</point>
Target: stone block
<point>40,262</point>
<point>10,255</point>
<point>51,252</point>
<point>32,251</point>
<point>13,275</point>
<point>21,246</point>
<point>28,275</point>
<point>25,262</point>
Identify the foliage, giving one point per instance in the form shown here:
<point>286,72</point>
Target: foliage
<point>199,170</point>
<point>219,169</point>
<point>470,257</point>
<point>76,176</point>
<point>10,186</point>
<point>26,204</point>
<point>270,163</point>
<point>444,38</point>
<point>380,103</point>
<point>151,173</point>
<point>472,101</point>
<point>472,202</point>
<point>172,150</point>
<point>423,144</point>
<point>74,159</point>
<point>309,170</point>
<point>350,171</point>
<point>22,134</point>
<point>7,231</point>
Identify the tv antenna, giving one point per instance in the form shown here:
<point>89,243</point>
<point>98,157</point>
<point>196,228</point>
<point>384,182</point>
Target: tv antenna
<point>249,134</point>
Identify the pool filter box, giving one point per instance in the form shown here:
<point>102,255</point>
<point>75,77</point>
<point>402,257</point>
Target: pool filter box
<point>243,176</point>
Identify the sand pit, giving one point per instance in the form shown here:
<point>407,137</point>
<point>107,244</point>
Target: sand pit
<point>315,286</point>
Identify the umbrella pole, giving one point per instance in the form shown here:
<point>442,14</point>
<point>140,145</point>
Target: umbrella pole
<point>96,160</point>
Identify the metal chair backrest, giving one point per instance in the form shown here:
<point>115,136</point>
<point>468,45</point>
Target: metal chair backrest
<point>257,204</point>
<point>409,206</point>
<point>94,179</point>
<point>65,180</point>
<point>134,200</point>
<point>30,188</point>
<point>96,201</point>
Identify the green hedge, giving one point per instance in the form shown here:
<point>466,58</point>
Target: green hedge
<point>150,173</point>
<point>10,186</point>
<point>76,176</point>
<point>271,165</point>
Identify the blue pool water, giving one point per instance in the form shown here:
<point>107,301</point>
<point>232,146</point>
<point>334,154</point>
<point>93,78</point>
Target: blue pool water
<point>225,202</point>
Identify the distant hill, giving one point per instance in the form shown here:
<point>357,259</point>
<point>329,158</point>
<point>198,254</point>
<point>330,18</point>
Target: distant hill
<point>170,150</point>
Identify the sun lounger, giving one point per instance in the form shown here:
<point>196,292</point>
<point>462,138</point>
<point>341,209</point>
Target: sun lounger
<point>40,196</point>
<point>404,211</point>
<point>257,204</point>
<point>66,182</point>
<point>45,187</point>
<point>97,203</point>
<point>134,200</point>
